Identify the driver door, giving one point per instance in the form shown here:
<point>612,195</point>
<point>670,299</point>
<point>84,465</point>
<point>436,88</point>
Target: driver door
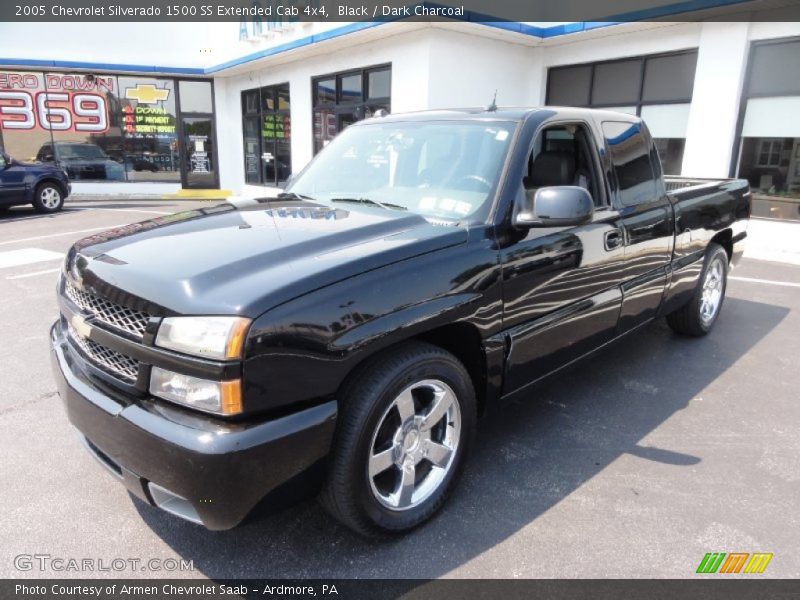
<point>561,285</point>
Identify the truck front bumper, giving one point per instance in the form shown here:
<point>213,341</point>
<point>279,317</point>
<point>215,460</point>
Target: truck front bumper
<point>203,469</point>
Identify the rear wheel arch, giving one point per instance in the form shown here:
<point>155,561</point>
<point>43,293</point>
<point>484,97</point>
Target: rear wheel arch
<point>724,238</point>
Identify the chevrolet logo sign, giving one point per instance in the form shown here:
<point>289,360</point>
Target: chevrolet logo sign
<point>146,93</point>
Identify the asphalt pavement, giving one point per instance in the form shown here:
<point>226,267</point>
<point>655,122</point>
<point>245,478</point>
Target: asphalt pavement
<point>634,464</point>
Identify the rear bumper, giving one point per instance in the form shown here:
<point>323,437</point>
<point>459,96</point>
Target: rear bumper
<point>200,468</point>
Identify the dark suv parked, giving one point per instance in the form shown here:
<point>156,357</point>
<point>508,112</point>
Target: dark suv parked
<point>44,186</point>
<point>82,160</point>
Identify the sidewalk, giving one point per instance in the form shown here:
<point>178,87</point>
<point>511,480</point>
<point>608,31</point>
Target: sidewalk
<point>776,241</point>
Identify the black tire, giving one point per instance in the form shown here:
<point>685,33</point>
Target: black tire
<point>48,198</point>
<point>689,319</point>
<point>350,494</point>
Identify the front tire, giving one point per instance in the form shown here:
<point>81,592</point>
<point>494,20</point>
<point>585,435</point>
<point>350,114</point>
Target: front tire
<point>48,198</point>
<point>406,424</point>
<point>697,317</point>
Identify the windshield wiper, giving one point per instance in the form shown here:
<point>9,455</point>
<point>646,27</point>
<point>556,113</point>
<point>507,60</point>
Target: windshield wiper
<point>387,205</point>
<point>295,196</point>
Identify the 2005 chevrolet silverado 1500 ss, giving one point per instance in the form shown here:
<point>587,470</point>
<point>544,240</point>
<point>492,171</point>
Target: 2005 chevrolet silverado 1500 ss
<point>347,333</point>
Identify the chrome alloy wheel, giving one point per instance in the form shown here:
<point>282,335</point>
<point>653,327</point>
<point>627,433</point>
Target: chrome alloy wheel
<point>413,447</point>
<point>50,197</point>
<point>711,296</point>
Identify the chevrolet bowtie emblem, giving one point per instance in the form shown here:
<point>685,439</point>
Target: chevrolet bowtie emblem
<point>146,93</point>
<point>80,326</point>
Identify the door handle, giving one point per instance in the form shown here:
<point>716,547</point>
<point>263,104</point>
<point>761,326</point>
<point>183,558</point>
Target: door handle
<point>612,239</point>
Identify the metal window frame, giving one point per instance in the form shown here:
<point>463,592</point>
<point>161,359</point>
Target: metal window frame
<point>338,107</point>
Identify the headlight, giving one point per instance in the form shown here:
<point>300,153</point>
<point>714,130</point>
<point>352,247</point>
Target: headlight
<point>221,397</point>
<point>209,337</point>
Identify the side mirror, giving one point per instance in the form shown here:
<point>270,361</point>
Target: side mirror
<point>558,206</point>
<point>4,160</point>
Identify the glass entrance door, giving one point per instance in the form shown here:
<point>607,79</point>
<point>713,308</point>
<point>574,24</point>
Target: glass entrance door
<point>199,170</point>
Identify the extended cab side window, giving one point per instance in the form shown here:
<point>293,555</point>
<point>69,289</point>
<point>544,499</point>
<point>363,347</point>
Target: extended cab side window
<point>563,155</point>
<point>630,156</point>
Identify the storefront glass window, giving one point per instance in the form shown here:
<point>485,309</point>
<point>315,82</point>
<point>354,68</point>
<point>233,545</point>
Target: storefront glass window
<point>196,96</point>
<point>86,127</point>
<point>344,98</point>
<point>267,135</point>
<point>149,129</point>
<point>99,127</point>
<point>26,128</point>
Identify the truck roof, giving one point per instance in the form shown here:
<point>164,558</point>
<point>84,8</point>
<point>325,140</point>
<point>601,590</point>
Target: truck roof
<point>503,113</point>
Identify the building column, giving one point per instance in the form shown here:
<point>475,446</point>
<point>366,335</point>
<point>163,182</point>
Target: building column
<point>710,134</point>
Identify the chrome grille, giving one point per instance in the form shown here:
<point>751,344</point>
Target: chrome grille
<point>119,365</point>
<point>112,314</point>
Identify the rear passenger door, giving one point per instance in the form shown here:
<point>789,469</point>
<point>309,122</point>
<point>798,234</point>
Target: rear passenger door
<point>634,172</point>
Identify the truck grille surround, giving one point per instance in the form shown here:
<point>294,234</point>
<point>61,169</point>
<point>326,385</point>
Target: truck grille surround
<point>121,318</point>
<point>120,366</point>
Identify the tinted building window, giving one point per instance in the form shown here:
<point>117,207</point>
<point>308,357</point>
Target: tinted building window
<point>569,86</point>
<point>266,124</point>
<point>617,83</point>
<point>775,69</point>
<point>656,87</point>
<point>669,78</point>
<point>341,99</point>
<point>630,155</point>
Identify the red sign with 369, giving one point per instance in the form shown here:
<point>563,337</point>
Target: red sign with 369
<point>56,111</point>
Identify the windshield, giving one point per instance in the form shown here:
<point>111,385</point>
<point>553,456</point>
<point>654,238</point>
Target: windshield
<point>444,169</point>
<point>68,151</point>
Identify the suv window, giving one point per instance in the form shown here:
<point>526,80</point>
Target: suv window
<point>44,151</point>
<point>630,155</point>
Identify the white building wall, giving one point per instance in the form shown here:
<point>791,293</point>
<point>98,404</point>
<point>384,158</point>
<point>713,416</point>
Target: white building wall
<point>467,69</point>
<point>717,92</point>
<point>408,54</point>
<point>619,41</point>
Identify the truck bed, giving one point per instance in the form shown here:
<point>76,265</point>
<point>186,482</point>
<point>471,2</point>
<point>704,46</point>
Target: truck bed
<point>676,184</point>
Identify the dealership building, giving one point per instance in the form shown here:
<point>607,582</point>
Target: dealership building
<point>161,107</point>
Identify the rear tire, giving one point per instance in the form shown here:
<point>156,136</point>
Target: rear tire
<point>697,317</point>
<point>405,426</point>
<point>48,198</point>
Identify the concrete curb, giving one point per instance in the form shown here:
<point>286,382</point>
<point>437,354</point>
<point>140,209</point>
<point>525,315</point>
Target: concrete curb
<point>138,197</point>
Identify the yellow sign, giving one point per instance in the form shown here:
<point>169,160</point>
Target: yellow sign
<point>146,93</point>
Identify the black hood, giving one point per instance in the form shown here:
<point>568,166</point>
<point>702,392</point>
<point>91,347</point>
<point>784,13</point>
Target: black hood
<point>228,260</point>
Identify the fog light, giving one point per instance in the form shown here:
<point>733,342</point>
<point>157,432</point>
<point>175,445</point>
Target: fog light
<point>219,397</point>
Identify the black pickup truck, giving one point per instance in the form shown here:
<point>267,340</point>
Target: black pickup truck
<point>345,335</point>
